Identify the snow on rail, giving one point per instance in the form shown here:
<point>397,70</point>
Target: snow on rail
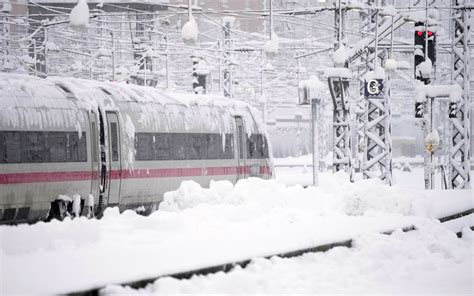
<point>198,227</point>
<point>428,261</point>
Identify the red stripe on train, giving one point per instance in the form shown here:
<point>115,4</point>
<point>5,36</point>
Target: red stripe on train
<point>21,178</point>
<point>16,178</point>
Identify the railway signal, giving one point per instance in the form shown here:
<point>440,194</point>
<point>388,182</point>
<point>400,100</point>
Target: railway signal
<point>424,36</point>
<point>200,75</point>
<point>453,109</point>
<point>419,110</point>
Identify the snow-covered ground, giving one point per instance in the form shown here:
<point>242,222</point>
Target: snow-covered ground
<point>198,227</point>
<point>425,262</point>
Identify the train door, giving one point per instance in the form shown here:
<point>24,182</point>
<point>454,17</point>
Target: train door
<point>241,151</point>
<point>94,149</point>
<point>115,164</point>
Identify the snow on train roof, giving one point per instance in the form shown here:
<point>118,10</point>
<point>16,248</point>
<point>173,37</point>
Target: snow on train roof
<point>51,97</point>
<point>145,95</point>
<point>30,102</point>
<point>81,88</point>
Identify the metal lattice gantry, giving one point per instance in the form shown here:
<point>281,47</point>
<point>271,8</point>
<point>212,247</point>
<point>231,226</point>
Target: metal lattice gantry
<point>338,81</point>
<point>339,88</point>
<point>378,160</point>
<point>458,166</point>
<point>378,141</point>
<point>367,26</point>
<point>378,156</point>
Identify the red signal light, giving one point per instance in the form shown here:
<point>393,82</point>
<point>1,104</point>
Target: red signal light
<point>419,33</point>
<point>430,33</point>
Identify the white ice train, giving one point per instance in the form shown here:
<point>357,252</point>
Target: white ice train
<point>123,145</point>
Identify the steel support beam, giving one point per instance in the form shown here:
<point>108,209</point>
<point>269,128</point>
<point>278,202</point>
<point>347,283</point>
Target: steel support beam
<point>459,154</point>
<point>378,143</point>
<point>367,28</point>
<point>227,75</point>
<point>339,89</point>
<point>377,161</point>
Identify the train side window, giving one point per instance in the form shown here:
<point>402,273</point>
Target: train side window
<point>33,147</point>
<point>214,146</point>
<point>3,147</point>
<point>57,146</point>
<point>262,150</point>
<point>72,147</point>
<point>144,146</point>
<point>178,142</point>
<point>12,147</point>
<point>240,131</point>
<point>228,152</point>
<point>94,142</point>
<point>252,144</point>
<point>157,146</point>
<point>264,146</point>
<point>76,147</point>
<point>197,146</point>
<point>162,146</point>
<point>114,139</point>
<point>83,147</point>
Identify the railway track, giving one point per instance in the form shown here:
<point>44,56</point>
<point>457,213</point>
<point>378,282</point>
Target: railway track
<point>243,263</point>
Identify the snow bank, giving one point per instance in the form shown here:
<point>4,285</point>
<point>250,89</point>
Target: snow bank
<point>190,194</point>
<point>336,196</point>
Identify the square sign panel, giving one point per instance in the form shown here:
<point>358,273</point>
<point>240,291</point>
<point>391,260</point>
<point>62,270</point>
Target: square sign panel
<point>374,89</point>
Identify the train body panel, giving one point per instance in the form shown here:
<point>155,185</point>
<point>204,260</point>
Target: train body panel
<point>125,145</point>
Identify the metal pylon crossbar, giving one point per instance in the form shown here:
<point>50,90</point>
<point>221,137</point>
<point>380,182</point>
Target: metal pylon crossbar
<point>458,165</point>
<point>339,87</point>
